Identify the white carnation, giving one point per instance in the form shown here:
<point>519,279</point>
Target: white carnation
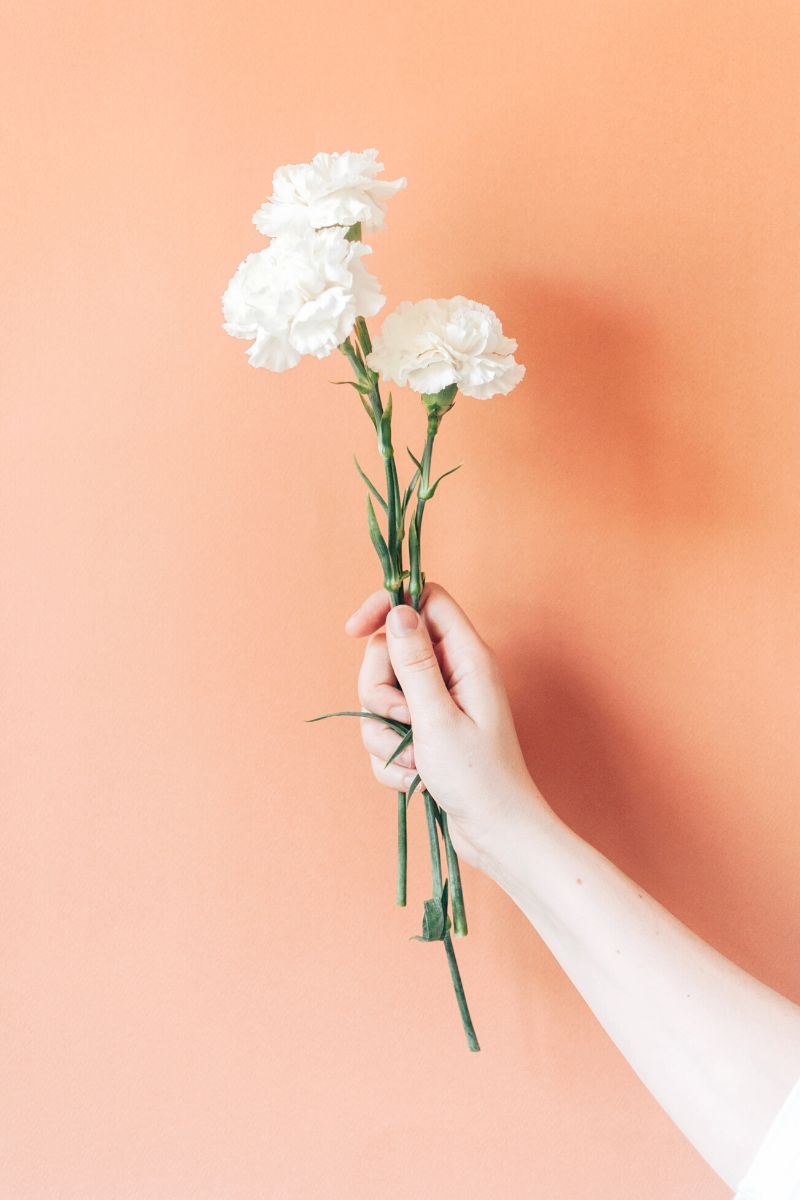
<point>333,189</point>
<point>301,295</point>
<point>435,343</point>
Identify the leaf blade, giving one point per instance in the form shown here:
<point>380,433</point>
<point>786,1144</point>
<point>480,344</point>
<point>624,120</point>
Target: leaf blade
<point>400,747</point>
<point>371,485</point>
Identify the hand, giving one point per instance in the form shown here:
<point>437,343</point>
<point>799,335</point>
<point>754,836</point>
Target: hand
<point>433,670</point>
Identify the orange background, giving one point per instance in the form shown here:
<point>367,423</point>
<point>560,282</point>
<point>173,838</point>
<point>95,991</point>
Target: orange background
<point>207,993</point>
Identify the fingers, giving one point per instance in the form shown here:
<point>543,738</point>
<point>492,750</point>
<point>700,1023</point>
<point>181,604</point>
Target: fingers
<point>399,779</point>
<point>370,616</point>
<point>449,625</point>
<point>446,620</point>
<point>377,686</point>
<point>381,742</point>
<point>416,666</point>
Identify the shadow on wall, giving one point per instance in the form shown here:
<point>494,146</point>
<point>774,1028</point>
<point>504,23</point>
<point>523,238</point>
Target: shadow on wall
<point>609,419</point>
<point>634,796</point>
<point>618,444</point>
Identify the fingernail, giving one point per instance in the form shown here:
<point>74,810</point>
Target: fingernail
<point>402,620</point>
<point>400,713</point>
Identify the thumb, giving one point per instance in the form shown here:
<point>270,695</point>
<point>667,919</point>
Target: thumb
<point>416,665</point>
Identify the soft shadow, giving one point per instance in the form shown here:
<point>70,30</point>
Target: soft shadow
<point>606,412</point>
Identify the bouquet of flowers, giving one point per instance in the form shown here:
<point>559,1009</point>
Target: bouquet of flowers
<point>308,292</point>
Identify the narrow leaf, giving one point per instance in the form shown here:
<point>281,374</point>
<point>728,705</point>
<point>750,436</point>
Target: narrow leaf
<point>371,485</point>
<point>409,492</point>
<point>400,747</point>
<point>362,333</point>
<point>415,461</point>
<point>385,430</point>
<point>378,541</point>
<point>415,782</point>
<point>363,388</point>
<point>398,726</point>
<point>415,582</point>
<point>427,495</point>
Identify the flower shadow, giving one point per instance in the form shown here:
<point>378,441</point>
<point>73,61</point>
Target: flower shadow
<point>608,416</point>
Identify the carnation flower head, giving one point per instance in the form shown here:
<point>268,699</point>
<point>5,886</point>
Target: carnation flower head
<point>333,189</point>
<point>301,295</point>
<point>435,344</point>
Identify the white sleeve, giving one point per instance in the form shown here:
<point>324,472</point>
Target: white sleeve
<point>774,1173</point>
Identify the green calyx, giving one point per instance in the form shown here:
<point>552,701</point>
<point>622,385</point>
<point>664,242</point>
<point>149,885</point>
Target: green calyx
<point>438,403</point>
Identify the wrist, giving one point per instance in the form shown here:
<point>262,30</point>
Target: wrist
<point>520,837</point>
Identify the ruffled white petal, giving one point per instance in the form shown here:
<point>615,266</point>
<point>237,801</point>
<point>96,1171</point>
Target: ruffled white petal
<point>299,296</point>
<point>435,343</point>
<point>333,189</point>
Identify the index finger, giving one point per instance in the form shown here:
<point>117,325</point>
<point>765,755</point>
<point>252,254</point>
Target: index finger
<point>370,616</point>
<point>377,686</point>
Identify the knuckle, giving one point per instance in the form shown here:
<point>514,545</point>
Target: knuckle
<point>421,660</point>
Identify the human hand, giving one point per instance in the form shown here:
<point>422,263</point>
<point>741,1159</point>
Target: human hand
<point>433,670</point>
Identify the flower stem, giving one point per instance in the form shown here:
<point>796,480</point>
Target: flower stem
<point>433,843</point>
<point>453,868</point>
<point>402,849</point>
<point>454,875</point>
<point>431,811</point>
<point>393,571</point>
<point>415,582</point>
<point>463,1008</point>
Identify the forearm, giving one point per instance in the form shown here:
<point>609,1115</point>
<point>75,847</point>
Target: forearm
<point>719,1050</point>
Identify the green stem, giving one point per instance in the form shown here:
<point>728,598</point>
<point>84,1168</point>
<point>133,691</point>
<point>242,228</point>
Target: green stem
<point>415,583</point>
<point>402,848</point>
<point>463,1008</point>
<point>453,868</point>
<point>436,881</point>
<point>394,543</point>
<point>433,843</point>
<point>454,875</point>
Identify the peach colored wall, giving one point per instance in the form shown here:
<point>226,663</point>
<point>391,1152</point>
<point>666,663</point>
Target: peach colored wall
<point>207,993</point>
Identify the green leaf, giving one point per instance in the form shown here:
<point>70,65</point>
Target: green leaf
<point>385,430</point>
<point>354,354</point>
<point>409,492</point>
<point>378,541</point>
<point>398,726</point>
<point>415,581</point>
<point>437,812</point>
<point>371,486</point>
<point>368,409</point>
<point>415,782</point>
<point>362,333</point>
<point>363,388</point>
<point>400,747</point>
<point>427,495</point>
<point>415,461</point>
<point>354,233</point>
<point>434,922</point>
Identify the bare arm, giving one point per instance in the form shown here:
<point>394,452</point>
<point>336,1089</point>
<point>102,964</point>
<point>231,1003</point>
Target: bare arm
<point>719,1050</point>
